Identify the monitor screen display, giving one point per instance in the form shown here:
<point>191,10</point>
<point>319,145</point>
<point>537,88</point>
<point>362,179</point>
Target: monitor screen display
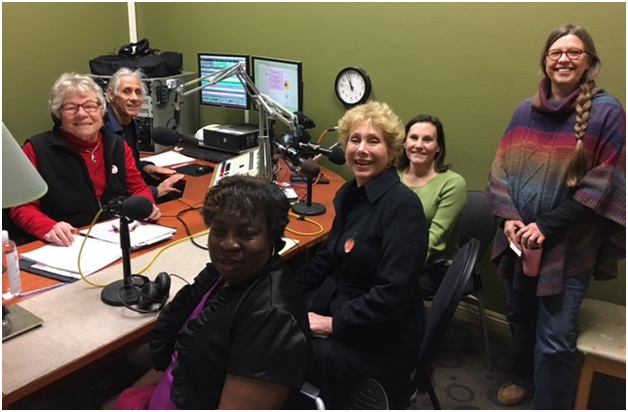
<point>279,79</point>
<point>226,93</point>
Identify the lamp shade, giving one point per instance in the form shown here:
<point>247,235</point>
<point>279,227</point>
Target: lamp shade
<point>21,183</point>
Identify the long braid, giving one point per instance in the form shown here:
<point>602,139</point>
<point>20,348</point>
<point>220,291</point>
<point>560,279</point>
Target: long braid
<point>579,164</point>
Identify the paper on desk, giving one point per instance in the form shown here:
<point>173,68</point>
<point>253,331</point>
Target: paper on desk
<point>290,243</point>
<point>143,234</point>
<point>63,260</point>
<point>168,158</point>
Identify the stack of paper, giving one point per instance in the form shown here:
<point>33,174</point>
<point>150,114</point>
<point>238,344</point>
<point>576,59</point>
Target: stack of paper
<point>140,233</point>
<point>63,260</point>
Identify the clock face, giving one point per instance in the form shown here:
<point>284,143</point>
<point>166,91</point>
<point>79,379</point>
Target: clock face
<point>353,86</point>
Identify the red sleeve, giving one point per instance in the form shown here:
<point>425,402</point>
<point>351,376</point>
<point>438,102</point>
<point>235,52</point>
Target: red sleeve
<point>29,216</point>
<point>134,181</point>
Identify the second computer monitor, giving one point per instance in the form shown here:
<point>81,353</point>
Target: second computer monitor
<point>281,80</point>
<point>226,93</point>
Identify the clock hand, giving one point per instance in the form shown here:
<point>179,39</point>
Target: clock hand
<point>350,84</point>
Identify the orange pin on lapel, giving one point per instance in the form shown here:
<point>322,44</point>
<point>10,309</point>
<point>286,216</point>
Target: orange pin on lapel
<point>349,243</point>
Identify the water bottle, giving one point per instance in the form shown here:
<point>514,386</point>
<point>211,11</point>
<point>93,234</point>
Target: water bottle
<point>10,261</point>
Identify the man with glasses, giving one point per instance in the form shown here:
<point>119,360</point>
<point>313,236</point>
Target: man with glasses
<point>83,163</point>
<point>125,93</point>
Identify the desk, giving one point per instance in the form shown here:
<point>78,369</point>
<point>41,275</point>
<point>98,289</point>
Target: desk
<point>79,331</point>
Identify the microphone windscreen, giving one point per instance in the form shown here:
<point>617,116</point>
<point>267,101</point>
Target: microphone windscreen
<point>164,136</point>
<point>310,168</point>
<point>337,155</point>
<point>286,139</point>
<point>137,208</point>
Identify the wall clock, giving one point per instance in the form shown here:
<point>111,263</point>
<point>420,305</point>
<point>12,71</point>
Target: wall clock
<point>353,86</point>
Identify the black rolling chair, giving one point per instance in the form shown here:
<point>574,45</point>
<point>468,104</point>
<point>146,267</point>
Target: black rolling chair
<point>367,395</point>
<point>440,314</point>
<point>477,222</point>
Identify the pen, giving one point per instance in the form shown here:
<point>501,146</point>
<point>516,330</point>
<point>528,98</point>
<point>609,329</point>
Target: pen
<point>44,289</point>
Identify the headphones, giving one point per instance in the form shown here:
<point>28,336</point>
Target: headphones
<point>140,48</point>
<point>148,293</point>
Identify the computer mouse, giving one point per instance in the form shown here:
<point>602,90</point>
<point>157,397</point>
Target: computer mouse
<point>203,169</point>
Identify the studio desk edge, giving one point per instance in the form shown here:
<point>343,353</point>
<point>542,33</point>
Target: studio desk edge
<point>138,331</point>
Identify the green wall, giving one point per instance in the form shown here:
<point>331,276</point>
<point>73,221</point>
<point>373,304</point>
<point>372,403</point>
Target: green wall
<point>470,64</point>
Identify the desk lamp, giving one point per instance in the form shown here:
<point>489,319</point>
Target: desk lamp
<point>21,183</point>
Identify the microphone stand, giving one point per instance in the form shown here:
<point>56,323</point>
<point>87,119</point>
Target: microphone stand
<point>121,291</point>
<point>309,208</point>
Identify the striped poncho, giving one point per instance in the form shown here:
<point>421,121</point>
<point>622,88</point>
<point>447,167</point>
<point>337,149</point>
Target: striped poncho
<point>528,178</point>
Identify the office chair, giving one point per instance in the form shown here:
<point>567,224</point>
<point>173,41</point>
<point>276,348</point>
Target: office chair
<point>367,395</point>
<point>440,314</point>
<point>476,222</point>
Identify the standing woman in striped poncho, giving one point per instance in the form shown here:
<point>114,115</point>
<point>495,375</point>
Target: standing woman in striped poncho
<point>558,183</point>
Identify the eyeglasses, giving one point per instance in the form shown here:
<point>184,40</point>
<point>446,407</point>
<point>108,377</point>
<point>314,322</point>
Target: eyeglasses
<point>71,108</point>
<point>572,54</point>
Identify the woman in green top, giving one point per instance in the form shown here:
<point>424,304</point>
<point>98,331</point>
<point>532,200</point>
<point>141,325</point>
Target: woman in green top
<point>421,167</point>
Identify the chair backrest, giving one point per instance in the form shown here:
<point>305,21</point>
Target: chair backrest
<point>446,300</point>
<point>476,221</point>
<point>367,395</point>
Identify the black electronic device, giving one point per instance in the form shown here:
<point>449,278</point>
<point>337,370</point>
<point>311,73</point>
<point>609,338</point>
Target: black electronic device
<point>180,185</point>
<point>206,154</point>
<point>146,293</point>
<point>231,138</point>
<point>204,169</point>
<point>229,92</point>
<point>279,79</point>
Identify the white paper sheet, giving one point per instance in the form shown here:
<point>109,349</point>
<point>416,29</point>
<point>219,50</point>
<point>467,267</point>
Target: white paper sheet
<point>168,158</point>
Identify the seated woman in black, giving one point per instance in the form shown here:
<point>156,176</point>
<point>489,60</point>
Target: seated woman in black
<point>238,337</point>
<point>362,285</point>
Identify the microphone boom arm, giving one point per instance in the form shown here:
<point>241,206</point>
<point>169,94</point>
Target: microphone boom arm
<point>269,110</point>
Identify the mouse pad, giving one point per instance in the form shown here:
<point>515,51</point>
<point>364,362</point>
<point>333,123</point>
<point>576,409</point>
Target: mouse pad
<point>190,170</point>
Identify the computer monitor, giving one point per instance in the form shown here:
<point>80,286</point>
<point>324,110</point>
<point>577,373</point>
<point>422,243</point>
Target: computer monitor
<point>226,93</point>
<point>281,80</point>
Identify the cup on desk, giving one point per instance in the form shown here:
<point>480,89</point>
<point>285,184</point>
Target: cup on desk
<point>531,261</point>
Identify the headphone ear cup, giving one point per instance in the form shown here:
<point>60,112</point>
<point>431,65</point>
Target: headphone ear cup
<point>162,283</point>
<point>142,47</point>
<point>126,50</point>
<point>147,296</point>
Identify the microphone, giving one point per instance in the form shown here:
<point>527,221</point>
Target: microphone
<point>310,169</point>
<point>120,292</point>
<point>335,155</point>
<point>290,153</point>
<point>168,137</point>
<point>134,207</point>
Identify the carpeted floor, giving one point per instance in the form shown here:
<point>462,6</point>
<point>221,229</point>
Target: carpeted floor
<point>461,380</point>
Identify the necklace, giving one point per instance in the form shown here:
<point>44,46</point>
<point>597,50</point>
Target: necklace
<point>91,153</point>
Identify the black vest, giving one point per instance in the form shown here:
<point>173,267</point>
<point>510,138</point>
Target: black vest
<point>71,196</point>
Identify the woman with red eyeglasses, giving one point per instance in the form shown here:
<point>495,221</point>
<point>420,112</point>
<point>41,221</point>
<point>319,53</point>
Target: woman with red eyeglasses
<point>557,187</point>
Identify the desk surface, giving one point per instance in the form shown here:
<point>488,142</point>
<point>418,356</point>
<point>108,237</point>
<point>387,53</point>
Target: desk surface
<point>80,330</point>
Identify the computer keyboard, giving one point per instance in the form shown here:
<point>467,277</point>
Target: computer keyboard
<point>206,154</point>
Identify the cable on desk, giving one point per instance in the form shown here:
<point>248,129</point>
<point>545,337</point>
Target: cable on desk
<point>187,229</point>
<point>191,237</point>
<point>81,251</point>
<point>321,229</point>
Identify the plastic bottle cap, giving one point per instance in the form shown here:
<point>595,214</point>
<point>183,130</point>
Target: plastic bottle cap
<point>5,235</point>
